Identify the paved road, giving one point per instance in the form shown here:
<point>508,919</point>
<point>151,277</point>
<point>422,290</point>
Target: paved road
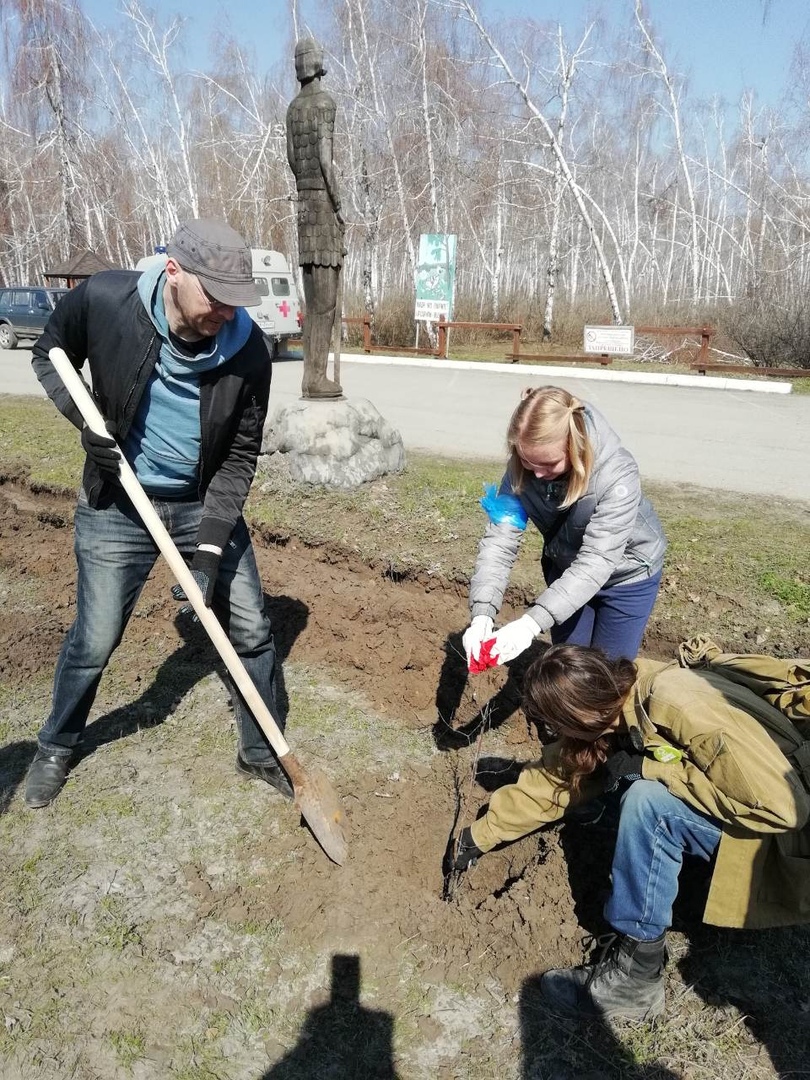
<point>732,440</point>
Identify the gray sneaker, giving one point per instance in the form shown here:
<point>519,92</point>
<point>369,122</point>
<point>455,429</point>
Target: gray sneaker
<point>46,778</point>
<point>627,981</point>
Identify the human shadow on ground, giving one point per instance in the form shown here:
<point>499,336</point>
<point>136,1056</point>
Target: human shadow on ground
<point>567,1048</point>
<point>175,677</point>
<point>760,979</point>
<point>14,761</point>
<point>593,1047</point>
<point>453,681</point>
<point>757,978</point>
<point>341,1038</point>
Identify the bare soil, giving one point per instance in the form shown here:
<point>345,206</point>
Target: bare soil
<point>144,942</point>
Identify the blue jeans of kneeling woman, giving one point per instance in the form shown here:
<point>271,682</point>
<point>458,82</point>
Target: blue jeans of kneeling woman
<point>656,829</point>
<point>115,554</point>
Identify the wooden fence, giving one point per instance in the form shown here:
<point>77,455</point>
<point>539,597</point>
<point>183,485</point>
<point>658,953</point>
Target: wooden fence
<point>701,364</point>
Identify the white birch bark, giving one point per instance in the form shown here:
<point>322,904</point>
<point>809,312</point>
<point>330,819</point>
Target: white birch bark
<point>675,117</point>
<point>538,114</point>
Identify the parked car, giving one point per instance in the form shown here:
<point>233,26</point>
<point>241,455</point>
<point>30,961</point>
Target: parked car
<point>24,310</point>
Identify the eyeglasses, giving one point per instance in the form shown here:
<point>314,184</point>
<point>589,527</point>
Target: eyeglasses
<point>206,295</point>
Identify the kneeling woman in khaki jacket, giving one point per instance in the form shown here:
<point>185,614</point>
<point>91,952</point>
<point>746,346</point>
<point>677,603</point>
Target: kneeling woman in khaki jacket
<point>712,761</point>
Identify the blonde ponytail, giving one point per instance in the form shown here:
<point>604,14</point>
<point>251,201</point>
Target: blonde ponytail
<point>549,414</point>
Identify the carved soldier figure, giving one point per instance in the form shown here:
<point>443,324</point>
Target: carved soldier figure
<point>310,131</point>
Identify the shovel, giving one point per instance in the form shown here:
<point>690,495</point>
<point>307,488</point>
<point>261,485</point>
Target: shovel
<point>314,795</point>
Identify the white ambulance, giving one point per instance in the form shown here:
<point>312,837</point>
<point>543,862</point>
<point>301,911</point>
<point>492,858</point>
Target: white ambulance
<point>279,314</point>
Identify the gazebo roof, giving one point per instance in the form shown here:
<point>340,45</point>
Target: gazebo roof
<point>81,264</point>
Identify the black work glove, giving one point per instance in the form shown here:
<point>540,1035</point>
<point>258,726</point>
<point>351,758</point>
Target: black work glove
<point>102,451</point>
<point>204,570</point>
<point>461,853</point>
<point>622,766</point>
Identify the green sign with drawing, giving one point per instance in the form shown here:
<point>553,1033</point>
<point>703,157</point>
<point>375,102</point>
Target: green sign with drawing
<point>435,277</point>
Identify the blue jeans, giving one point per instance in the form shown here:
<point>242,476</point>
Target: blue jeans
<point>655,830</point>
<point>613,620</point>
<point>115,554</point>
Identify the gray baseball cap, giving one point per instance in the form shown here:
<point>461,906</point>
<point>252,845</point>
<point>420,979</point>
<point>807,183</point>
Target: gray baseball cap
<point>217,254</point>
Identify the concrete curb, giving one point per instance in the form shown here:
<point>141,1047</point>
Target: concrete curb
<point>702,382</point>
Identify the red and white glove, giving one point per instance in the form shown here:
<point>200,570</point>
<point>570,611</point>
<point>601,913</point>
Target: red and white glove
<point>479,631</point>
<point>514,638</point>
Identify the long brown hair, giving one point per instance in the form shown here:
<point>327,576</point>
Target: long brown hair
<point>549,414</point>
<point>577,693</point>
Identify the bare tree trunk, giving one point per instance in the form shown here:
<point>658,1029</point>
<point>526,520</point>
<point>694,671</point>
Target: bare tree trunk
<point>604,266</point>
<point>567,69</point>
<point>158,53</point>
<point>78,235</point>
<point>370,242</point>
<point>675,116</point>
<point>422,50</point>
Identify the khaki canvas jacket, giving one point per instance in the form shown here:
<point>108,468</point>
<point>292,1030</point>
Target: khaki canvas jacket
<point>744,762</point>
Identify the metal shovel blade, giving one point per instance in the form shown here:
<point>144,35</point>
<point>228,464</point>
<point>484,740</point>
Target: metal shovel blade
<point>319,805</point>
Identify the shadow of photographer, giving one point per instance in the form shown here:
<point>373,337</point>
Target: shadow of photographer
<point>341,1038</point>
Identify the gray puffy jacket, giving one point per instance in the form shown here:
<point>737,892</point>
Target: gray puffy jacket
<point>610,536</point>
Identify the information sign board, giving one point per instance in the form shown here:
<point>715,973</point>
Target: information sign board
<point>617,340</point>
<point>435,277</point>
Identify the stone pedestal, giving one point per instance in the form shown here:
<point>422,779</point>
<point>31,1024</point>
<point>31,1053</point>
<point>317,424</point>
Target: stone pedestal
<point>338,444</point>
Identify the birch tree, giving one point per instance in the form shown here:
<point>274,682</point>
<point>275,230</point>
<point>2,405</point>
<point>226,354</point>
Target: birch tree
<point>521,86</point>
<point>567,68</point>
<point>45,43</point>
<point>674,114</point>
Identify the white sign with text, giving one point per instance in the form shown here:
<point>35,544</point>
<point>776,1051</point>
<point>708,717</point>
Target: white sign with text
<point>618,340</point>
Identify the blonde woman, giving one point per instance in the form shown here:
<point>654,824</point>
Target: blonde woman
<point>603,545</point>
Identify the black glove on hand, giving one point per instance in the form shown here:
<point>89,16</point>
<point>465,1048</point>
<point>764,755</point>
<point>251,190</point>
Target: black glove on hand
<point>204,570</point>
<point>103,452</point>
<point>462,853</point>
<point>622,766</point>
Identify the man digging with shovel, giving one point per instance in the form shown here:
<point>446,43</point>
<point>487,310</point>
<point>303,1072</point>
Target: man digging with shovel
<point>182,375</point>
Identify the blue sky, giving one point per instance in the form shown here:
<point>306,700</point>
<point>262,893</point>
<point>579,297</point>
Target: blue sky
<point>724,46</point>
